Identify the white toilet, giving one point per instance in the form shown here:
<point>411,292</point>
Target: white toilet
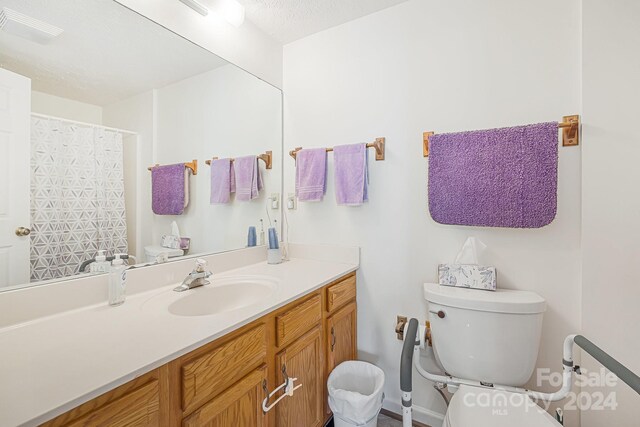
<point>493,338</point>
<point>152,253</point>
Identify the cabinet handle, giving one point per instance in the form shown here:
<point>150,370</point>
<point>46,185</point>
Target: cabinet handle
<point>333,338</point>
<point>288,387</point>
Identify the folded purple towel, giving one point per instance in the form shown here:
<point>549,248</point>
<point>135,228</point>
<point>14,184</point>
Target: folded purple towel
<point>248,180</point>
<point>351,175</point>
<point>495,178</point>
<point>168,188</point>
<point>311,174</point>
<point>221,180</point>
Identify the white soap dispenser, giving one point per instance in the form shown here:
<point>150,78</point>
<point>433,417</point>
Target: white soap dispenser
<point>117,282</point>
<point>101,265</point>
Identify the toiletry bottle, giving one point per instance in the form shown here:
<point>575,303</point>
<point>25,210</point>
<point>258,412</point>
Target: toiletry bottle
<point>101,265</point>
<point>251,237</point>
<point>117,282</point>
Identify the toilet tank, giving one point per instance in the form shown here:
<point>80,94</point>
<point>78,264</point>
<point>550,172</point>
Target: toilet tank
<point>488,336</point>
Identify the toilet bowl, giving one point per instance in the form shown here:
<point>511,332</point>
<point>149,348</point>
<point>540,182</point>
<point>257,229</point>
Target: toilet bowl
<point>483,407</point>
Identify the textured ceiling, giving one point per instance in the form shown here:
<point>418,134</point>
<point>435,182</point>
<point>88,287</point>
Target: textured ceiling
<point>289,20</point>
<point>107,53</point>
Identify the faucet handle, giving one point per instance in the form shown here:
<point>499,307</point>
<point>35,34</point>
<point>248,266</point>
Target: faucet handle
<point>200,265</point>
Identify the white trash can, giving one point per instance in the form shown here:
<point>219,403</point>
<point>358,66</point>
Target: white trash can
<point>355,394</point>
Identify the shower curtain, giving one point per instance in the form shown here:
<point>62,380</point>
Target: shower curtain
<point>77,196</point>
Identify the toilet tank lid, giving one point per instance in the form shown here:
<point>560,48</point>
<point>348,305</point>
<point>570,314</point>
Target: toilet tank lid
<point>499,301</point>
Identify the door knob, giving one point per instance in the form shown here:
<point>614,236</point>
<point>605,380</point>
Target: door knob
<point>22,231</point>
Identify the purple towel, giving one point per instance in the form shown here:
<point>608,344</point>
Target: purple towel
<point>169,191</point>
<point>222,181</point>
<point>495,178</point>
<point>311,174</point>
<point>248,180</point>
<point>350,165</point>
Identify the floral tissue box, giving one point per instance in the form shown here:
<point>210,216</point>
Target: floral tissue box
<point>467,276</point>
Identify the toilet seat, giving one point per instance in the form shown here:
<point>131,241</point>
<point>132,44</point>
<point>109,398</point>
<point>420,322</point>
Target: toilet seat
<point>484,407</point>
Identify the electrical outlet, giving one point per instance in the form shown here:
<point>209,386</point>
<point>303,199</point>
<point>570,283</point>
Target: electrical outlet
<point>275,200</point>
<point>291,202</point>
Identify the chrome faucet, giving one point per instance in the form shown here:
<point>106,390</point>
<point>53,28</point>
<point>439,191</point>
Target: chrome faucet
<point>198,277</point>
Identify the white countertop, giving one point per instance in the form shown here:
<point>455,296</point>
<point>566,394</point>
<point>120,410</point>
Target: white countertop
<point>53,364</point>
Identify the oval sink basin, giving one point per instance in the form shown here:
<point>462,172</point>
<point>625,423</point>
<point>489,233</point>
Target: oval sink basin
<point>222,295</point>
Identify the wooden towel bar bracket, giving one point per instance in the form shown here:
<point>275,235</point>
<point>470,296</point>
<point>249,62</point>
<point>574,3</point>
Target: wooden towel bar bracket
<point>570,126</point>
<point>378,145</point>
<point>193,165</point>
<point>266,157</point>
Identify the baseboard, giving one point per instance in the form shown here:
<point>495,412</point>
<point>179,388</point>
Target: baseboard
<point>421,415</point>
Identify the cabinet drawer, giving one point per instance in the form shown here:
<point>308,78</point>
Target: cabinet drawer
<point>341,293</point>
<point>208,375</point>
<point>295,322</point>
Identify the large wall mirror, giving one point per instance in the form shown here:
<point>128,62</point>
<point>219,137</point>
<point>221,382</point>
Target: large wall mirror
<point>107,124</point>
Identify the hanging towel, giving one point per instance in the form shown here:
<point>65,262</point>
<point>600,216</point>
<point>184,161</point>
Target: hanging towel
<point>169,187</point>
<point>311,174</point>
<point>221,179</point>
<point>351,175</point>
<point>495,178</point>
<point>248,180</point>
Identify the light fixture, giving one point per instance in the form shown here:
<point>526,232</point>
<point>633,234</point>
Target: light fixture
<point>197,6</point>
<point>27,27</point>
<point>231,10</point>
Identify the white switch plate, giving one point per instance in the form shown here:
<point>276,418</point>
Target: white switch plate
<point>275,200</point>
<point>291,202</point>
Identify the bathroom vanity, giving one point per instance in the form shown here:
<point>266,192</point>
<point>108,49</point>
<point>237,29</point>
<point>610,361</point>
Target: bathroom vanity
<point>226,378</point>
<point>152,362</point>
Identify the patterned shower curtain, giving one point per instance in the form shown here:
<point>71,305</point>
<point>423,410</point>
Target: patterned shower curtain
<point>77,196</point>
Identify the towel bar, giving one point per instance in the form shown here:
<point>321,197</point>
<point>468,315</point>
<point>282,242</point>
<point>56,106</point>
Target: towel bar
<point>266,157</point>
<point>570,126</point>
<point>378,145</point>
<point>193,165</point>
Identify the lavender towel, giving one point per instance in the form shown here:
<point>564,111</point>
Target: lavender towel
<point>169,189</point>
<point>495,178</point>
<point>311,174</point>
<point>222,181</point>
<point>248,180</point>
<point>351,175</point>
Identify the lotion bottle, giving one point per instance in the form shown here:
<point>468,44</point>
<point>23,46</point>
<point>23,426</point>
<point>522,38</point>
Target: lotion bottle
<point>117,282</point>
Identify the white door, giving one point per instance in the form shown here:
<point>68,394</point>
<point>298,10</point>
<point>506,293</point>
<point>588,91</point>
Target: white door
<point>15,113</point>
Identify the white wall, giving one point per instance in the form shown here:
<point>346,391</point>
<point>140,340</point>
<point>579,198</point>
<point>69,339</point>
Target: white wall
<point>442,66</point>
<point>611,205</point>
<point>224,113</point>
<point>51,105</point>
<point>246,46</point>
<point>137,114</point>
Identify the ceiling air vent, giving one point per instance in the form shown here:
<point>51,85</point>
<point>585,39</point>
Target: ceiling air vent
<point>27,27</point>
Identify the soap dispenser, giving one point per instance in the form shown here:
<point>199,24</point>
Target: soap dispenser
<point>117,282</point>
<point>101,265</point>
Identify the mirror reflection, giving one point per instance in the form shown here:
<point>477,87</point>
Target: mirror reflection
<point>118,138</point>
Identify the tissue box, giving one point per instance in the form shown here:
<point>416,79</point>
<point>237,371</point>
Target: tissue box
<point>467,276</point>
<point>170,241</point>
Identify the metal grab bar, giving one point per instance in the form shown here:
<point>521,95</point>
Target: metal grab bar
<point>621,371</point>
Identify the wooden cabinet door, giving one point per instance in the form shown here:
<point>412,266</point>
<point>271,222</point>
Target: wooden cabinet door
<point>239,405</point>
<point>303,359</point>
<point>341,337</point>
